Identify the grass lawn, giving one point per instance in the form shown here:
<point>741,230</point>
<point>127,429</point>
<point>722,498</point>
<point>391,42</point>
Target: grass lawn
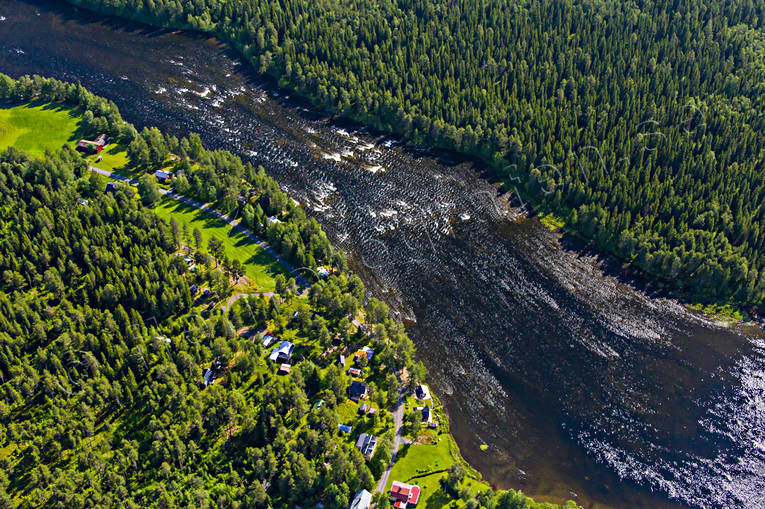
<point>36,127</point>
<point>113,158</point>
<point>424,465</point>
<point>259,266</point>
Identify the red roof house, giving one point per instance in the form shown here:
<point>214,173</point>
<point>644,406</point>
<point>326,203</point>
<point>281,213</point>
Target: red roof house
<point>404,495</point>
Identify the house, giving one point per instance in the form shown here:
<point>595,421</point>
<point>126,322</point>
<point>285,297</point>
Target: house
<point>366,444</point>
<point>94,146</point>
<point>268,339</point>
<point>162,176</point>
<point>283,352</point>
<point>372,411</point>
<point>357,390</point>
<point>344,428</point>
<point>273,220</point>
<point>208,376</point>
<point>284,369</point>
<point>433,425</point>
<point>341,360</point>
<point>111,187</point>
<point>364,352</point>
<point>354,371</point>
<point>362,500</point>
<point>422,392</point>
<point>404,495</point>
<point>427,415</point>
<point>363,408</point>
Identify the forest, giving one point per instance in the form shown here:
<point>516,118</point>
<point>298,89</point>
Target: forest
<point>105,340</point>
<point>639,124</point>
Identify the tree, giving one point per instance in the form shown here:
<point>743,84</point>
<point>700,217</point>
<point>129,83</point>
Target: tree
<point>148,190</point>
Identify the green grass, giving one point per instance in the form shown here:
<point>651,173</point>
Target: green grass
<point>36,127</point>
<point>113,158</point>
<point>424,465</point>
<point>260,267</point>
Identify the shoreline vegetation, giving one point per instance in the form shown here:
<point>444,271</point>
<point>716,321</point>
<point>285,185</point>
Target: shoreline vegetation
<point>663,173</point>
<point>164,395</point>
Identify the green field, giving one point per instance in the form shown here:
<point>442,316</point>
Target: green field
<point>37,127</point>
<point>424,465</point>
<point>260,267</point>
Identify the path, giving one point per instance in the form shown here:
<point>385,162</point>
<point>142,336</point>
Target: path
<point>299,279</point>
<point>398,421</point>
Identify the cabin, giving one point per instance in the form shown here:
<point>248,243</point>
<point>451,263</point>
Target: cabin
<point>422,392</point>
<point>362,500</point>
<point>364,352</point>
<point>284,369</point>
<point>268,339</point>
<point>94,146</point>
<point>404,495</point>
<point>162,176</point>
<point>363,409</point>
<point>273,220</point>
<point>366,444</point>
<point>357,390</point>
<point>341,360</point>
<point>354,371</point>
<point>427,415</point>
<point>344,428</point>
<point>283,352</point>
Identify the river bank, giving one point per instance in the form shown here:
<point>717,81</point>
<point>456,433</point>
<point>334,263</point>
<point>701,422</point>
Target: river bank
<point>580,386</point>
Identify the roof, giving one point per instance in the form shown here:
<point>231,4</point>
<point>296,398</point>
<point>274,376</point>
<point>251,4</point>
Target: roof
<point>357,388</point>
<point>344,428</point>
<point>285,368</point>
<point>273,220</point>
<point>403,492</point>
<point>422,391</point>
<point>284,350</point>
<point>354,371</point>
<point>162,174</point>
<point>362,500</point>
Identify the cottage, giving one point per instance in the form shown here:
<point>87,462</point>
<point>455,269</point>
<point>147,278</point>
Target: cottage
<point>404,495</point>
<point>94,146</point>
<point>273,220</point>
<point>363,408</point>
<point>162,176</point>
<point>344,428</point>
<point>341,360</point>
<point>357,390</point>
<point>268,339</point>
<point>362,500</point>
<point>283,352</point>
<point>366,444</point>
<point>284,369</point>
<point>422,392</point>
<point>354,371</point>
<point>427,415</point>
<point>364,352</point>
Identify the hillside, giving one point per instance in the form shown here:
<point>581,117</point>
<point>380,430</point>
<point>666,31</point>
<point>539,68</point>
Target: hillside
<point>131,377</point>
<point>640,124</point>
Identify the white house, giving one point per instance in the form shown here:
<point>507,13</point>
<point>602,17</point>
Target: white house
<point>362,500</point>
<point>283,352</point>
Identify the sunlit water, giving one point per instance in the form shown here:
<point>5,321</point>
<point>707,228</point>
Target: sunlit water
<point>581,386</point>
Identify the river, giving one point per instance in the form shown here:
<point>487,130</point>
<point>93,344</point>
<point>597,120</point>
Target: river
<point>576,384</point>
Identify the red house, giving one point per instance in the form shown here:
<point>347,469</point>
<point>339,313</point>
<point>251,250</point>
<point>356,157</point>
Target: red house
<point>92,147</point>
<point>404,495</point>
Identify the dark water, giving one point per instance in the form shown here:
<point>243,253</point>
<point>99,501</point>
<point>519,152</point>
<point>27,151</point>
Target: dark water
<point>581,386</point>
